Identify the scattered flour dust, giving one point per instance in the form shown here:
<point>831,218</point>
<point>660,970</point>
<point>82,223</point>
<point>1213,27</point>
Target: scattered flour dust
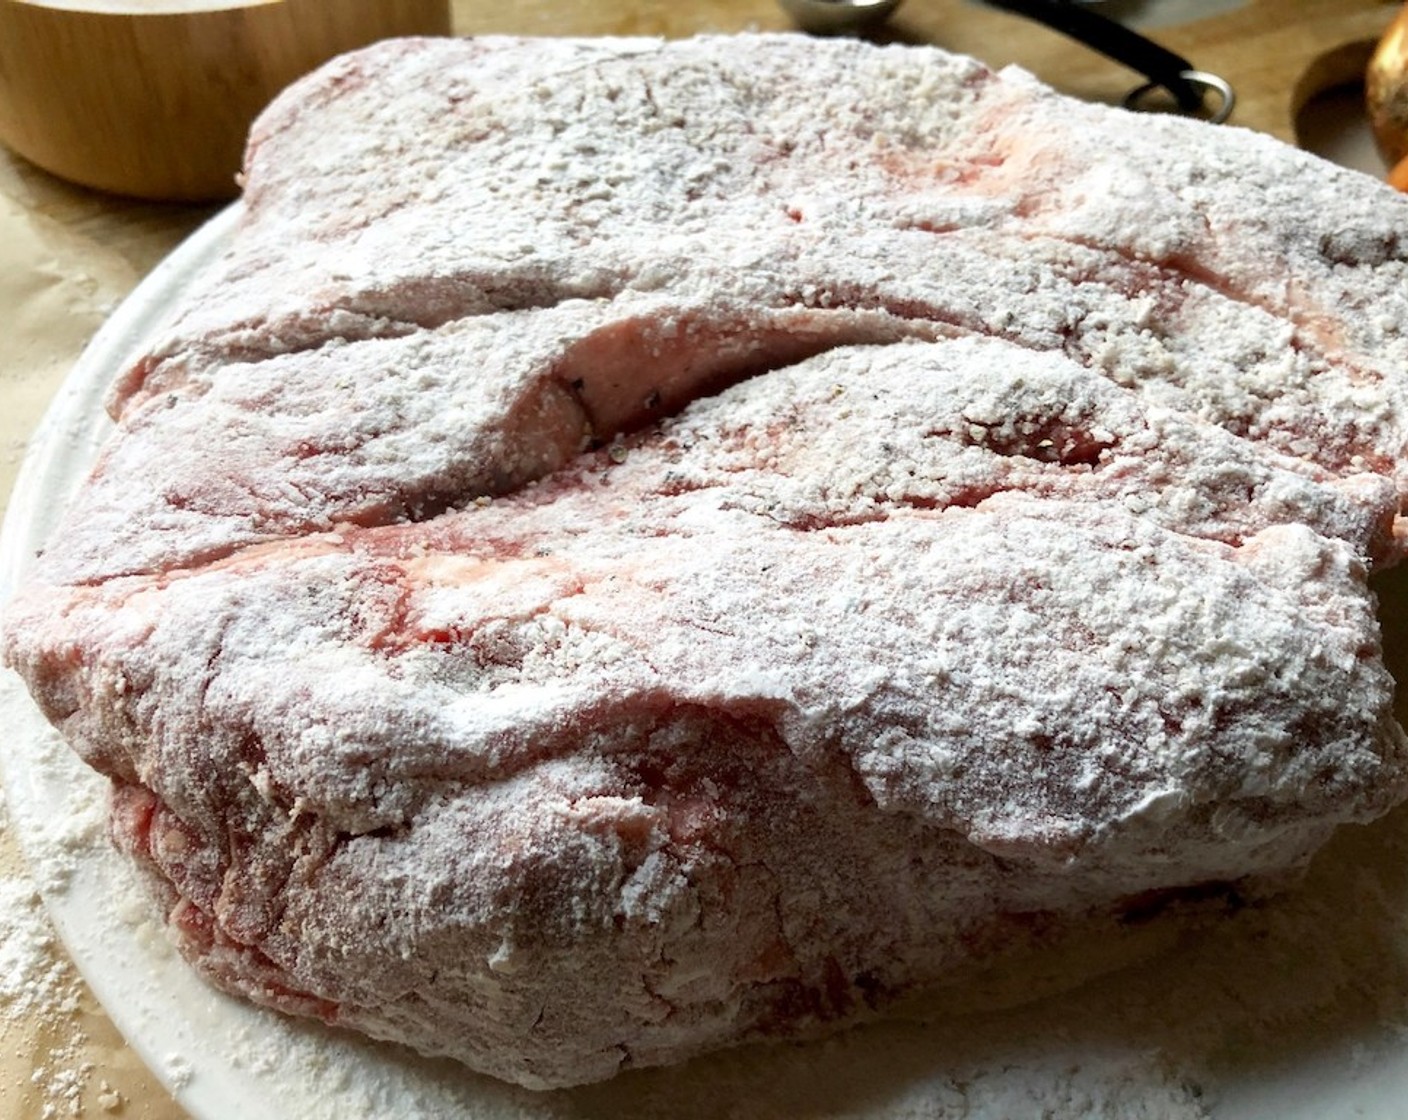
<point>60,1055</point>
<point>40,997</point>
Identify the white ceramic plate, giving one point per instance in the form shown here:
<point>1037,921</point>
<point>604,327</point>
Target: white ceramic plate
<point>1295,1010</point>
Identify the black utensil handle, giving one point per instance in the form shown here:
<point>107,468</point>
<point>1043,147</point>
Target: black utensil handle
<point>1100,33</point>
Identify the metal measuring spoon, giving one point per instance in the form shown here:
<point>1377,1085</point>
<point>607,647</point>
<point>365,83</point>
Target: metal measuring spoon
<point>1075,18</point>
<point>838,17</point>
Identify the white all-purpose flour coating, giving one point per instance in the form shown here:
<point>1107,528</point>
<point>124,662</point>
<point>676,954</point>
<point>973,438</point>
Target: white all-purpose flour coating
<point>1006,574</point>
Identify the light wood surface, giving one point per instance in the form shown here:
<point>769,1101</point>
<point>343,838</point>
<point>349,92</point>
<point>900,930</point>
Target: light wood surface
<point>67,255</point>
<point>155,100</point>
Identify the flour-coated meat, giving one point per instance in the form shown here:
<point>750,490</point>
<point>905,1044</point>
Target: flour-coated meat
<point>640,546</point>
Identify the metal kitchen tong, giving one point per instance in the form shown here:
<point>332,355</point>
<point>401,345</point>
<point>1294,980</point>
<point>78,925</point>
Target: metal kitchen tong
<point>1164,69</point>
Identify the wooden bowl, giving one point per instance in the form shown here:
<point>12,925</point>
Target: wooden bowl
<point>153,98</point>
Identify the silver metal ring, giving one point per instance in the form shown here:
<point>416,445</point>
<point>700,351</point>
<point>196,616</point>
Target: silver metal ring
<point>1205,83</point>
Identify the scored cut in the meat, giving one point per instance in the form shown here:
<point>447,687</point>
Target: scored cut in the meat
<point>641,546</point>
<point>568,219</point>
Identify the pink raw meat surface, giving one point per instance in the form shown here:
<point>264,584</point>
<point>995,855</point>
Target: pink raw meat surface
<point>643,546</point>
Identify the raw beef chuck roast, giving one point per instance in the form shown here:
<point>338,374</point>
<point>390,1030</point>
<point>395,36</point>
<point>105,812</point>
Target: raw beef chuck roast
<point>639,546</point>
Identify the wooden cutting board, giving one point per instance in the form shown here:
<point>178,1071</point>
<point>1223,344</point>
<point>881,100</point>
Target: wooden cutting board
<point>1276,53</point>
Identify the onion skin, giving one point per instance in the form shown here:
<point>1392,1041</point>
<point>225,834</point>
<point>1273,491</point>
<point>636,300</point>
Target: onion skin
<point>1398,175</point>
<point>1386,94</point>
